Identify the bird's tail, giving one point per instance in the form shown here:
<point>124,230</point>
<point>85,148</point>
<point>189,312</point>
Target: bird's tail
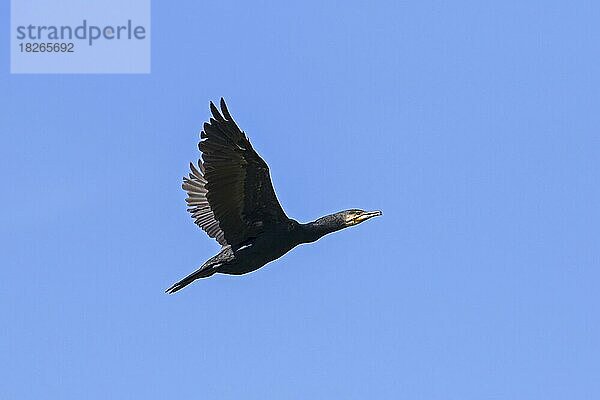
<point>203,272</point>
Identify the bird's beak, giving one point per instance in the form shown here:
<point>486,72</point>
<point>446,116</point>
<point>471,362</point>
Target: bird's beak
<point>367,215</point>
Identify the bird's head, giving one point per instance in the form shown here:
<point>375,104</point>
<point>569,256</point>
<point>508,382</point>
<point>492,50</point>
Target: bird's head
<point>354,216</point>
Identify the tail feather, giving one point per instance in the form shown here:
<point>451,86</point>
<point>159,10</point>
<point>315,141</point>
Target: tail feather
<point>203,272</point>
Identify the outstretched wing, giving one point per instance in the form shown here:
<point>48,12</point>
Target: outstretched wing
<point>231,195</point>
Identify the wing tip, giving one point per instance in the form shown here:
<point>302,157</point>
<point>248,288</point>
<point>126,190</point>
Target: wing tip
<point>215,112</point>
<point>224,110</point>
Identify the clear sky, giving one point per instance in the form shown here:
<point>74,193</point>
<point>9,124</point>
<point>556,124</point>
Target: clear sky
<point>472,125</point>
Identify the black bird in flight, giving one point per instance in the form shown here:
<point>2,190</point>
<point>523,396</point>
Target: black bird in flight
<point>231,197</point>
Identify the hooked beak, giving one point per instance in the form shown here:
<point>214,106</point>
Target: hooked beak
<point>367,215</point>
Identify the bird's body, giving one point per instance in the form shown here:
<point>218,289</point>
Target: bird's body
<point>231,197</point>
<point>253,254</point>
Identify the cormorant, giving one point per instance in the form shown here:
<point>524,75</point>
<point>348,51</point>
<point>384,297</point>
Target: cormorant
<point>231,197</point>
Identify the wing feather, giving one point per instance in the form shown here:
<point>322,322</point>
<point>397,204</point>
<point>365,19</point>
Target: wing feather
<point>198,205</point>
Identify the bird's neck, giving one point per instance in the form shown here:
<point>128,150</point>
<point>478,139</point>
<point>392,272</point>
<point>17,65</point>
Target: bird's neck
<point>315,230</point>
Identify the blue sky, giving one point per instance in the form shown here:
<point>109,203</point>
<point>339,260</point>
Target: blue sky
<point>472,125</point>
